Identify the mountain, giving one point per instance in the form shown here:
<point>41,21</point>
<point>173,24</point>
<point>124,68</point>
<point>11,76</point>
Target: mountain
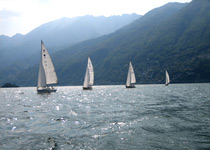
<point>174,37</point>
<point>59,34</point>
<point>23,51</point>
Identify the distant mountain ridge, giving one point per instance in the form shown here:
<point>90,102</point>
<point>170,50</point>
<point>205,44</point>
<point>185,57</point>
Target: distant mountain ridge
<point>59,34</point>
<point>73,30</point>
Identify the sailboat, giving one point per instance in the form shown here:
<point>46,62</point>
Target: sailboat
<point>131,79</point>
<point>167,79</point>
<point>89,76</point>
<point>47,74</point>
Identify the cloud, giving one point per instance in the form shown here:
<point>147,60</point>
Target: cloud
<point>6,14</point>
<point>9,24</point>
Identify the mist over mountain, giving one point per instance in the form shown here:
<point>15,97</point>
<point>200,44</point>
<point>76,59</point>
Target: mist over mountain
<point>68,31</point>
<point>174,37</point>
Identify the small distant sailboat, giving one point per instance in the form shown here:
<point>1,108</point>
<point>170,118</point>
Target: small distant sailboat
<point>131,79</point>
<point>89,76</point>
<point>167,79</point>
<point>47,74</point>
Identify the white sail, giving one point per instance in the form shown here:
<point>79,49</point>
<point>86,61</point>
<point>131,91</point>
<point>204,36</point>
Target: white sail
<point>167,78</point>
<point>131,75</point>
<point>42,77</point>
<point>89,75</point>
<point>47,73</point>
<point>87,78</point>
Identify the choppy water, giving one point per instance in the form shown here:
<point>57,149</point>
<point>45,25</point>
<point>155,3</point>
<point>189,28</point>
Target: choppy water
<point>107,118</point>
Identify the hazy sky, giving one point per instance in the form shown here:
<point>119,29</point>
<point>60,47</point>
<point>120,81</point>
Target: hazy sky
<point>22,16</point>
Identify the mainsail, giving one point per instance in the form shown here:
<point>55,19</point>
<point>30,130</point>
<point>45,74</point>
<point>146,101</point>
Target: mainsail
<point>89,75</point>
<point>131,79</point>
<point>47,73</point>
<point>167,79</point>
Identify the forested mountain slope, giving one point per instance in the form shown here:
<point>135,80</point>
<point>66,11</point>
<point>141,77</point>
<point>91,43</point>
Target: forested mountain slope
<point>174,37</point>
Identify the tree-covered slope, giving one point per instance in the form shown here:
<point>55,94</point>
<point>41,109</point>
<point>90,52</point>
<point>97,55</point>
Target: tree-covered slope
<point>174,37</point>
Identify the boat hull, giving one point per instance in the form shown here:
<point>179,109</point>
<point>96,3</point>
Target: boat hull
<point>46,90</point>
<point>130,86</point>
<point>87,88</point>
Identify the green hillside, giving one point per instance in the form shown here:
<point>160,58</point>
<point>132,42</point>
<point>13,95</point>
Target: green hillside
<point>174,37</point>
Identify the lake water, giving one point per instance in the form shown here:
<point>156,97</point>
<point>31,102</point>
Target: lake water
<point>107,118</point>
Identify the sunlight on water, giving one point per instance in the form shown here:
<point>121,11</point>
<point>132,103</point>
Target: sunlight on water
<point>107,117</point>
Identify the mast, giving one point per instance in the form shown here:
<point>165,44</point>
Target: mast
<point>41,75</point>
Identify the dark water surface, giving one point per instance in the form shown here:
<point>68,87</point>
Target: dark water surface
<point>107,118</point>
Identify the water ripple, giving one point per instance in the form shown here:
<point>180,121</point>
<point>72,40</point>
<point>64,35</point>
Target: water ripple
<point>108,117</point>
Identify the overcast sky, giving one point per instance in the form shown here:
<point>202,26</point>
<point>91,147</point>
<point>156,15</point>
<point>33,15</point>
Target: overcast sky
<point>22,16</point>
